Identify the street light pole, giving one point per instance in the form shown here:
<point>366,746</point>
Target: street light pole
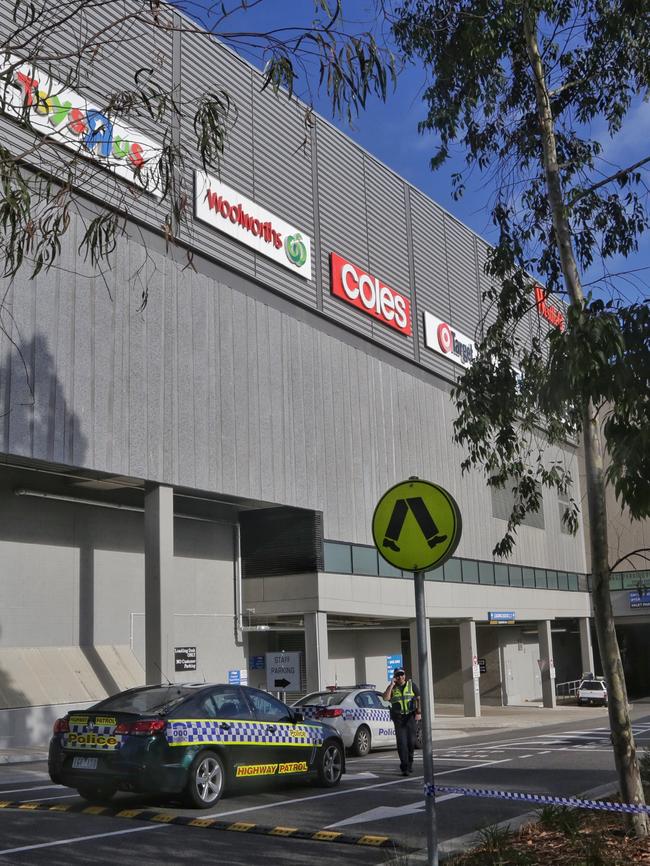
<point>427,718</point>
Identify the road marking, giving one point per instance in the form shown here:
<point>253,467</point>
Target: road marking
<point>381,813</point>
<point>22,790</point>
<point>354,777</point>
<point>351,790</point>
<point>72,840</point>
<point>45,799</point>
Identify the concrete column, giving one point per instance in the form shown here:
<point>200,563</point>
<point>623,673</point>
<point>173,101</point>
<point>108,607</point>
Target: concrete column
<point>586,647</point>
<point>413,673</point>
<point>469,663</point>
<point>159,595</point>
<point>547,665</point>
<point>316,650</point>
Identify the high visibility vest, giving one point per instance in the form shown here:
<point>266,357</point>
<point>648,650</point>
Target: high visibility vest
<point>403,699</point>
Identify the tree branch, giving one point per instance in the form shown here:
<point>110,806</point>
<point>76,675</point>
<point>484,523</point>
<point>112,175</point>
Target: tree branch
<point>640,551</point>
<point>607,180</point>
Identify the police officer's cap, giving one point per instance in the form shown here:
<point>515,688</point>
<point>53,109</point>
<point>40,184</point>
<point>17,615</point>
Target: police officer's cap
<point>399,672</point>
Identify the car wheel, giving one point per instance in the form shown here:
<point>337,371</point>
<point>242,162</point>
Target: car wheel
<point>362,742</point>
<point>96,793</point>
<point>206,781</point>
<point>330,764</point>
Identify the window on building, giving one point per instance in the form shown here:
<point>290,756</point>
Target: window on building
<point>503,501</point>
<point>364,560</point>
<point>338,557</point>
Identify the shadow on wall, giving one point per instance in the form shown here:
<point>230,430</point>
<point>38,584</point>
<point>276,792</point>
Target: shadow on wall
<point>10,696</point>
<point>36,423</point>
<point>36,419</point>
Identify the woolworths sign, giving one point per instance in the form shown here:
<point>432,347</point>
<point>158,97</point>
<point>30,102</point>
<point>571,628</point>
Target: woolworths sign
<point>226,210</point>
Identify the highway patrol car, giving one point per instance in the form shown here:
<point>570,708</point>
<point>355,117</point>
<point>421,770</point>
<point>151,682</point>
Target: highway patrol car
<point>189,739</point>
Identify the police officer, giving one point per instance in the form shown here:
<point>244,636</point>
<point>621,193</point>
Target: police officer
<point>404,697</point>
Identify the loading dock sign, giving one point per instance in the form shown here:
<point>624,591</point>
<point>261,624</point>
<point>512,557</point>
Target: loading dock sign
<point>283,672</point>
<point>416,525</point>
<point>184,658</point>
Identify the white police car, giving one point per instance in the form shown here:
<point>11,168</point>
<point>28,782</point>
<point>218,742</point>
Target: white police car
<point>359,713</point>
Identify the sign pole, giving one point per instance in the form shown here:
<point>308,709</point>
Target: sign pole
<point>425,695</point>
<point>416,526</point>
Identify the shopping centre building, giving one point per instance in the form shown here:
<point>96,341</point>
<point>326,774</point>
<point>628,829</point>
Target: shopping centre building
<point>188,485</point>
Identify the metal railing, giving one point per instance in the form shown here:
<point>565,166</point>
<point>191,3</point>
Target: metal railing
<point>568,690</point>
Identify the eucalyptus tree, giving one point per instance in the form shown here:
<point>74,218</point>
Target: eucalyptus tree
<point>533,92</point>
<point>50,50</point>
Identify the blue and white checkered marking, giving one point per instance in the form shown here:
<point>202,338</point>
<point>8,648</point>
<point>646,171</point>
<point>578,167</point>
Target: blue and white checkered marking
<point>355,714</point>
<point>576,802</point>
<point>187,732</point>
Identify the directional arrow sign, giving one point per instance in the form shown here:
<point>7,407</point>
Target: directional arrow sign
<point>381,813</point>
<point>283,671</point>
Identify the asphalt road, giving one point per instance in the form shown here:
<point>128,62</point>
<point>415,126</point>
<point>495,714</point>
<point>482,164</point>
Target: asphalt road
<point>374,798</point>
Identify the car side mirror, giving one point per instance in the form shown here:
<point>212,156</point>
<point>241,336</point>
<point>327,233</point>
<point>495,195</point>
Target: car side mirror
<point>297,716</point>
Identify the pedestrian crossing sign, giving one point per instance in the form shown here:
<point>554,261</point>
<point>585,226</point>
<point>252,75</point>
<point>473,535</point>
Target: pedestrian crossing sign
<point>416,525</point>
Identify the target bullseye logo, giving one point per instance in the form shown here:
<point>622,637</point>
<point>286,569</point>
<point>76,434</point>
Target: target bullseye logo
<point>445,339</point>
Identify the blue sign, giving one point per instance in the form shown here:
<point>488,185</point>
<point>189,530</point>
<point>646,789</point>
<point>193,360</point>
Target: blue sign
<point>640,598</point>
<point>501,616</point>
<point>393,662</point>
<point>256,663</point>
<point>234,678</point>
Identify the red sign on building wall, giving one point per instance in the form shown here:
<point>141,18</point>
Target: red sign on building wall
<point>369,294</point>
<point>551,314</point>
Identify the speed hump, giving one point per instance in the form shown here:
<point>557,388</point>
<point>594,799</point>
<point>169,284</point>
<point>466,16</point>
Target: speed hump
<point>416,525</point>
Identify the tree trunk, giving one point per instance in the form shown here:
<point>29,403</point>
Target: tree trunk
<point>627,767</point>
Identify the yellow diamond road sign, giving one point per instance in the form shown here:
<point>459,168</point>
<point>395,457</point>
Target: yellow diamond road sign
<point>416,525</point>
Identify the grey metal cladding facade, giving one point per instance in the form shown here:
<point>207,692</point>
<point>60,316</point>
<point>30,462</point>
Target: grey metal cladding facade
<point>463,279</point>
<point>211,388</point>
<point>342,204</point>
<point>431,273</point>
<point>200,56</point>
<point>387,243</point>
<point>488,312</point>
<point>283,181</point>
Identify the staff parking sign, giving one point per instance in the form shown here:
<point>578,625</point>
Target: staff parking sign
<point>416,525</point>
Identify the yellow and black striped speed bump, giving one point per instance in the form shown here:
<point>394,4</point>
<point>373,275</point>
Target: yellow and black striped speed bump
<point>211,824</point>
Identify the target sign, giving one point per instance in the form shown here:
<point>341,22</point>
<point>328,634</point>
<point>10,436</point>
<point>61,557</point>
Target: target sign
<point>445,340</point>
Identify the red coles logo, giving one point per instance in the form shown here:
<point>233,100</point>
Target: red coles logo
<point>369,294</point>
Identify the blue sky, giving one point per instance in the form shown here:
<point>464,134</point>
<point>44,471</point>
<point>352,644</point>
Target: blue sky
<point>389,131</point>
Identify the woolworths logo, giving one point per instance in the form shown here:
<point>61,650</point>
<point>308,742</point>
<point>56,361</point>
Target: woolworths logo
<point>295,249</point>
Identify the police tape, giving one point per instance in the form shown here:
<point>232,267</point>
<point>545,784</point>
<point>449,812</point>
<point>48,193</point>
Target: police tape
<point>367,839</point>
<point>544,799</point>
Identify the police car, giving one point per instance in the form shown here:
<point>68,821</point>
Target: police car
<point>359,713</point>
<point>192,740</point>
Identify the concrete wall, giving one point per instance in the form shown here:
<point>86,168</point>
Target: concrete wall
<point>445,663</point>
<point>490,682</point>
<point>72,575</point>
<point>360,656</point>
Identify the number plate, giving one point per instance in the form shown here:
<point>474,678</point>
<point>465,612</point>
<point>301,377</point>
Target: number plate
<point>84,763</point>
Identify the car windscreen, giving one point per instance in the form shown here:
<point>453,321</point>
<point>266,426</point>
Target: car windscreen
<point>155,700</point>
<point>323,699</point>
<point>592,685</point>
